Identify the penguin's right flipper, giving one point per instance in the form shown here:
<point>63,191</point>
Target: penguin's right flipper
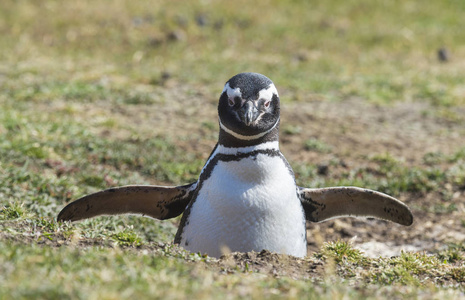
<point>158,202</point>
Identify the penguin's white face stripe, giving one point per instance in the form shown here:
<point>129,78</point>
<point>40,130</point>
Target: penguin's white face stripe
<point>233,93</point>
<point>247,137</point>
<point>267,93</point>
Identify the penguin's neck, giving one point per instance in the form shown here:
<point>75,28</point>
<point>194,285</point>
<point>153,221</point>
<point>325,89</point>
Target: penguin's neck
<point>232,140</point>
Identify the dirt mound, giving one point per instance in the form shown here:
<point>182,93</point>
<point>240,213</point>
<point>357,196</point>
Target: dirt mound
<point>273,264</point>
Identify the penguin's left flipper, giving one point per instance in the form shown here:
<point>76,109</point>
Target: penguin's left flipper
<point>154,201</point>
<point>321,204</point>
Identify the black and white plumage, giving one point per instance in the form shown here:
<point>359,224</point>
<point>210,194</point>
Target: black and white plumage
<point>246,197</point>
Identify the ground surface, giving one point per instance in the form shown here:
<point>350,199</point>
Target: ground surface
<point>353,135</point>
<point>95,96</point>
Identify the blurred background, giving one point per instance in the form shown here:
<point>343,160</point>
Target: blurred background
<point>379,51</point>
<point>96,94</point>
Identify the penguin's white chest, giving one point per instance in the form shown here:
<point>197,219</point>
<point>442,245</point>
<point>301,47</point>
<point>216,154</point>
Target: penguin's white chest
<point>244,205</point>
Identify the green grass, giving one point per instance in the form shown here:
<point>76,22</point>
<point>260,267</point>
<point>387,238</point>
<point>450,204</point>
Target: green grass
<point>83,85</point>
<point>127,237</point>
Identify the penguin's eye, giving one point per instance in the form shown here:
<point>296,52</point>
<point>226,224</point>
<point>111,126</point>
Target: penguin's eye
<point>231,102</point>
<point>267,103</point>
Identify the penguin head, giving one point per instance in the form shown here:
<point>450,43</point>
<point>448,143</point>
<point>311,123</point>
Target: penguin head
<point>249,106</point>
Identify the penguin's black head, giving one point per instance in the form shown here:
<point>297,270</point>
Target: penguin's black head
<point>249,106</point>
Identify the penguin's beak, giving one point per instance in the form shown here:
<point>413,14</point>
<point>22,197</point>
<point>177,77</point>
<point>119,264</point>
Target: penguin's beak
<point>249,113</point>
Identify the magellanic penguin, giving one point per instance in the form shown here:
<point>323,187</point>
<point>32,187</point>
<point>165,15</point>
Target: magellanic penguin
<point>246,197</point>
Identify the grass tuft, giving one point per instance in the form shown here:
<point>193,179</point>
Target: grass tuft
<point>316,145</point>
<point>127,237</point>
<point>342,251</point>
<point>12,211</point>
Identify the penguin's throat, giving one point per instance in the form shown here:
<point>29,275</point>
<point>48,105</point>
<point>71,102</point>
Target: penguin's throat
<point>230,138</point>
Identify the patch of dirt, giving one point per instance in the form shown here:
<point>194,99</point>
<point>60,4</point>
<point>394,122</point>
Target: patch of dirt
<point>272,264</point>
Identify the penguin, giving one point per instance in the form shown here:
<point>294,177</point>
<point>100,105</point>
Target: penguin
<point>246,197</point>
